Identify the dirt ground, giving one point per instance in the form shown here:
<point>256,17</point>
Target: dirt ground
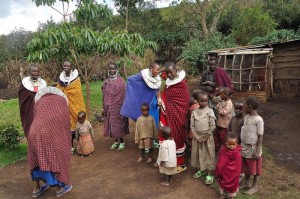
<point>111,174</point>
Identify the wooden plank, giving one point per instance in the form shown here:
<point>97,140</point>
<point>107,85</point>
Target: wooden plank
<point>286,78</point>
<point>287,59</point>
<point>286,65</point>
<point>248,82</point>
<point>248,68</point>
<point>261,95</point>
<point>244,52</point>
<point>286,55</point>
<point>241,63</point>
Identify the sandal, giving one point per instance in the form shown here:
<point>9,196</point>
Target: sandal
<point>156,165</point>
<point>165,183</point>
<point>147,150</point>
<point>156,145</point>
<point>43,188</point>
<point>198,174</point>
<point>149,161</point>
<point>140,160</point>
<point>114,146</point>
<point>209,180</point>
<point>181,169</point>
<point>65,189</point>
<point>121,146</point>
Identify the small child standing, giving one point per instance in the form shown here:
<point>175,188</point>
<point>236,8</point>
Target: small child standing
<point>237,121</point>
<point>84,135</point>
<point>251,139</point>
<point>167,156</point>
<point>193,105</point>
<point>228,168</point>
<point>145,132</point>
<point>224,117</point>
<point>203,149</point>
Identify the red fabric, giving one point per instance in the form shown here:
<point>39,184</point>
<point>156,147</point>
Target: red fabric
<point>252,166</point>
<point>26,104</point>
<point>176,99</point>
<point>219,137</point>
<point>221,78</point>
<point>49,146</point>
<point>228,168</point>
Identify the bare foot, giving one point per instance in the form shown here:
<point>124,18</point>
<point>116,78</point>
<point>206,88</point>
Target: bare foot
<point>155,164</point>
<point>149,161</point>
<point>165,183</point>
<point>245,186</point>
<point>251,191</point>
<point>140,160</point>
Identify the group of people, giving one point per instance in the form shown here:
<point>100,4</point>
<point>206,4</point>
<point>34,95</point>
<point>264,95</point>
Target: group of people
<point>51,116</point>
<point>166,117</point>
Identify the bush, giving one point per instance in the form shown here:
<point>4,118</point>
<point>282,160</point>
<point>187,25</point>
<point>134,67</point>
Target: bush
<point>276,36</point>
<point>196,49</point>
<point>9,137</point>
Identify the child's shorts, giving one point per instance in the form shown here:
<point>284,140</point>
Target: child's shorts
<point>252,166</point>
<point>146,143</point>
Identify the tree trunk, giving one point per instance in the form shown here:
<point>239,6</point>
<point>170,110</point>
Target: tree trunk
<point>88,98</point>
<point>203,8</point>
<point>124,69</point>
<point>126,16</point>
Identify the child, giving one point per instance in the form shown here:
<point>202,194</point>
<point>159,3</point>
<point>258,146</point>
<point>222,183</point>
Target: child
<point>251,139</point>
<point>193,105</point>
<point>225,114</point>
<point>145,132</point>
<point>167,156</point>
<point>203,150</point>
<point>228,167</point>
<point>84,135</point>
<point>237,121</point>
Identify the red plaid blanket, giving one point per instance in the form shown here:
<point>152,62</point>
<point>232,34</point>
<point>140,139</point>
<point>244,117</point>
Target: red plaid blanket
<point>176,100</point>
<point>49,140</point>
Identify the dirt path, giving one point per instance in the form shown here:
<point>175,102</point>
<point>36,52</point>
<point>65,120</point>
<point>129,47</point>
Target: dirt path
<point>107,174</point>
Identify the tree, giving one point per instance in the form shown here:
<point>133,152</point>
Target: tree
<point>215,7</point>
<point>84,45</point>
<point>252,22</point>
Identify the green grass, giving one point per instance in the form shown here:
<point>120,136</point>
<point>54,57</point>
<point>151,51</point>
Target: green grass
<point>96,96</point>
<point>10,114</point>
<point>8,157</point>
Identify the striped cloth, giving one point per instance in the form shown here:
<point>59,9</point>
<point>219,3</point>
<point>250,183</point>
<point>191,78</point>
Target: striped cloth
<point>49,138</point>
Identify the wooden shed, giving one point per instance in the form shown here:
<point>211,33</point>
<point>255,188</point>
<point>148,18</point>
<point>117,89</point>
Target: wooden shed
<point>262,70</point>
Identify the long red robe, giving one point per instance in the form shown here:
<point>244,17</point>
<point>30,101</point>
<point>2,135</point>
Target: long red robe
<point>228,168</point>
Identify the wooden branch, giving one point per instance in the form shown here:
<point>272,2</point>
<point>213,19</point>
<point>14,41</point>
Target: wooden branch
<point>57,10</point>
<point>203,9</point>
<point>216,18</point>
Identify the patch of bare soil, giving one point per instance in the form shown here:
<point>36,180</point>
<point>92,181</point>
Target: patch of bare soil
<point>108,174</point>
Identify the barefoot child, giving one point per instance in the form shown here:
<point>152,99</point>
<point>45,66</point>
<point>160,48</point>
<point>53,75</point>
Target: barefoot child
<point>228,167</point>
<point>224,117</point>
<point>203,150</point>
<point>145,132</point>
<point>84,135</point>
<point>237,121</point>
<point>251,138</point>
<point>167,156</point>
<point>193,105</point>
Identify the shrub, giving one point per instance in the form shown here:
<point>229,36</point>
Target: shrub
<point>276,36</point>
<point>9,137</point>
<point>196,49</point>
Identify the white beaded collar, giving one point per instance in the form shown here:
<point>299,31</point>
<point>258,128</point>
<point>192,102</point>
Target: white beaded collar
<point>49,90</point>
<point>152,82</point>
<point>64,78</point>
<point>179,78</point>
<point>29,84</point>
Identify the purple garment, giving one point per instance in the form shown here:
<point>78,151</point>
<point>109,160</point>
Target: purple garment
<point>114,91</point>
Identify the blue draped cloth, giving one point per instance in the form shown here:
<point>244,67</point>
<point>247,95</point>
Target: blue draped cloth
<point>46,176</point>
<point>137,93</point>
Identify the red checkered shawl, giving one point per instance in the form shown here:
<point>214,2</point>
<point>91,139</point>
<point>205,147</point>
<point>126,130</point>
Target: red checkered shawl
<point>49,140</point>
<point>176,100</point>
